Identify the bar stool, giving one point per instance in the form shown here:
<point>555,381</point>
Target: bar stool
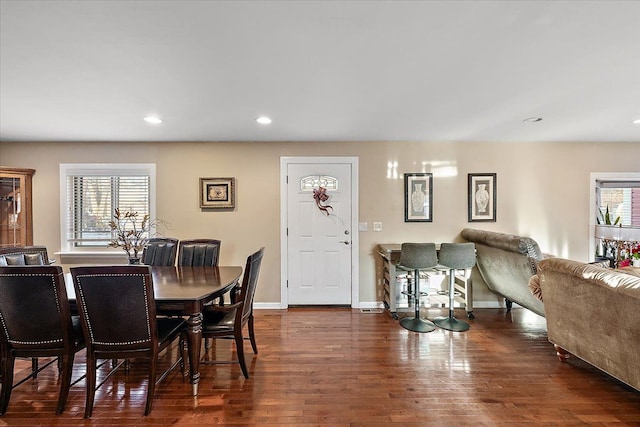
<point>416,257</point>
<point>455,256</point>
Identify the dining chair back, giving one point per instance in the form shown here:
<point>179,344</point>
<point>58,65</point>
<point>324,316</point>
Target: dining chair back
<point>24,255</point>
<point>20,256</point>
<point>118,314</point>
<point>36,322</point>
<point>160,251</point>
<point>228,321</point>
<point>199,252</point>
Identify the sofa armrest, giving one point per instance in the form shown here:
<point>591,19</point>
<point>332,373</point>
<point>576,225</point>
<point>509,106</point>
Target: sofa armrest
<point>534,287</point>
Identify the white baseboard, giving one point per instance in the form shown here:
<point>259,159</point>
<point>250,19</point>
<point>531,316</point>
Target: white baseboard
<point>268,306</point>
<point>476,304</point>
<point>379,304</point>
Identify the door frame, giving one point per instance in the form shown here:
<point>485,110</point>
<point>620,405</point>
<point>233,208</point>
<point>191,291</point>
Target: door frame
<point>284,250</point>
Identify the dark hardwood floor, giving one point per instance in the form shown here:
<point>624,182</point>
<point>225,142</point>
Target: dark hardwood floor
<point>338,367</point>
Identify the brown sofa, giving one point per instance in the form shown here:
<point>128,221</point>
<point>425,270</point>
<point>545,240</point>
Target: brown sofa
<point>506,263</point>
<point>594,314</point>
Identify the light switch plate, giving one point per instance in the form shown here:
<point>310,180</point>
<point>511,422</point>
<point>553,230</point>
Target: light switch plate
<point>377,226</point>
<point>363,226</point>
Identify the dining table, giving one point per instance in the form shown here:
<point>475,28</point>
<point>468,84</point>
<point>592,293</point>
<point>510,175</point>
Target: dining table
<point>184,291</point>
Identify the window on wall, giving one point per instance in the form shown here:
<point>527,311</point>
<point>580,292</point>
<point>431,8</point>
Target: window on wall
<point>621,199</point>
<point>91,192</point>
<point>620,194</point>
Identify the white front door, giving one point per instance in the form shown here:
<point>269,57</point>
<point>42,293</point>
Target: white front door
<point>319,234</point>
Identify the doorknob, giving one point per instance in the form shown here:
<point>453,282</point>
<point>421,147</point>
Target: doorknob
<point>346,242</point>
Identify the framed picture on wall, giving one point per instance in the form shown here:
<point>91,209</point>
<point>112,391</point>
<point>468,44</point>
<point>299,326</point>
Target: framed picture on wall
<point>482,197</point>
<point>418,197</point>
<point>217,193</point>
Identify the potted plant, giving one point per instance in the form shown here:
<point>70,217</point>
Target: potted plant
<point>131,233</point>
<point>635,255</point>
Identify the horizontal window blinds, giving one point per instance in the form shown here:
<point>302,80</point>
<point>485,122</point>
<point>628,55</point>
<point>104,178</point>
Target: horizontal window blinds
<point>617,184</point>
<point>93,199</point>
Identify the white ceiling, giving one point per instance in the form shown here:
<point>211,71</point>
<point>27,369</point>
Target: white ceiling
<point>322,70</point>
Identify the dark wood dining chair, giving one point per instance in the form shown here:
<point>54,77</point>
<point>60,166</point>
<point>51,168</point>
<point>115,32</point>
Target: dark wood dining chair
<point>118,315</point>
<point>228,321</point>
<point>36,322</point>
<point>199,252</point>
<point>21,256</point>
<point>160,251</point>
<point>24,255</point>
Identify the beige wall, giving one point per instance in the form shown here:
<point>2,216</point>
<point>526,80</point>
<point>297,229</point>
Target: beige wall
<point>543,192</point>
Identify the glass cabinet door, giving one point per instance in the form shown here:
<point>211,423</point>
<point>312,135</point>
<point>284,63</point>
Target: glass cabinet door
<point>16,228</point>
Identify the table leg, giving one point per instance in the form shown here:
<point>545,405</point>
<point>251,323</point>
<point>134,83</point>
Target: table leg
<point>194,336</point>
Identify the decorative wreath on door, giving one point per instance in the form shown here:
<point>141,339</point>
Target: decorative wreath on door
<point>320,196</point>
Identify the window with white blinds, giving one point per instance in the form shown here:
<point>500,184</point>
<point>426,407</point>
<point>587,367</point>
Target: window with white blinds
<point>91,194</point>
<point>622,198</point>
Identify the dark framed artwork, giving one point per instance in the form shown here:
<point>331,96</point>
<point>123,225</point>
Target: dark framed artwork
<point>217,193</point>
<point>482,197</point>
<point>418,197</point>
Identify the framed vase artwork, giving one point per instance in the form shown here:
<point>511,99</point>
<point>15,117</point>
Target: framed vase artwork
<point>217,193</point>
<point>418,197</point>
<point>482,197</point>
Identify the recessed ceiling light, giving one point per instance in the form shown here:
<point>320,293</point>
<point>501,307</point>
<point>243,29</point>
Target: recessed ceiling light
<point>263,120</point>
<point>532,120</point>
<point>636,122</point>
<point>153,120</point>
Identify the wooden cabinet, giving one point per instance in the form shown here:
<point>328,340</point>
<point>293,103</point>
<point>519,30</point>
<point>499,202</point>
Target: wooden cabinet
<point>16,220</point>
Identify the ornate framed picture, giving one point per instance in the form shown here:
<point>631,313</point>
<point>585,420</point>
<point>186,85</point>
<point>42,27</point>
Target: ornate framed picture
<point>217,193</point>
<point>482,197</point>
<point>418,197</point>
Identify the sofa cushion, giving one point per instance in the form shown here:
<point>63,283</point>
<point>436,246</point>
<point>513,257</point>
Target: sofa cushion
<point>15,259</point>
<point>633,271</point>
<point>33,259</point>
<point>536,289</point>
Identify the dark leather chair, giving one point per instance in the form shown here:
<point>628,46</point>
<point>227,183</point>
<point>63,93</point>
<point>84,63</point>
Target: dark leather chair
<point>228,321</point>
<point>198,252</point>
<point>160,251</point>
<point>118,315</point>
<point>24,255</point>
<point>36,320</point>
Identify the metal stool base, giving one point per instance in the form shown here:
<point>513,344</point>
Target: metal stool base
<point>417,325</point>
<point>451,324</point>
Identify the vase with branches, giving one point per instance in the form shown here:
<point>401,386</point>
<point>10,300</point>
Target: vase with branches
<point>131,233</point>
